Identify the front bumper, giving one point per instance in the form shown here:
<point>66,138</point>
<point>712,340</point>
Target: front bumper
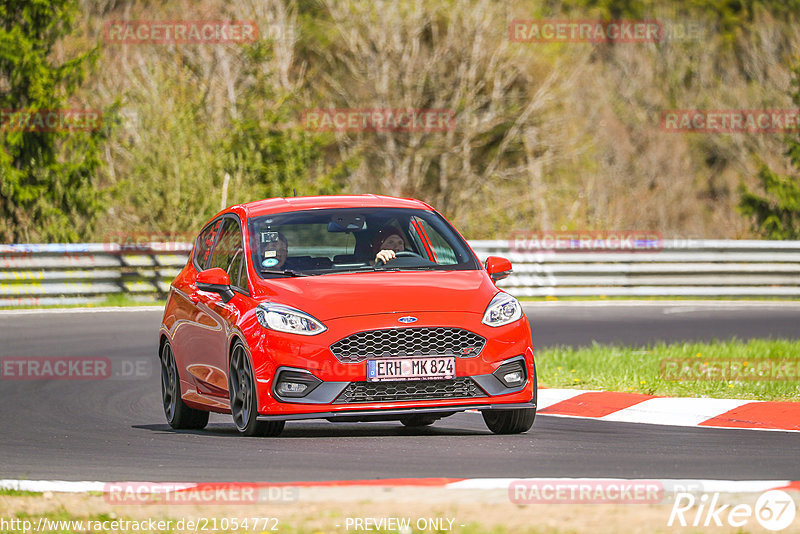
<point>392,414</point>
<point>345,393</point>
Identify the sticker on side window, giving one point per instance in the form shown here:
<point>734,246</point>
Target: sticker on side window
<point>269,237</point>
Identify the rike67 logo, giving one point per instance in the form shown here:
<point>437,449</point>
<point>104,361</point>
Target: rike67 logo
<point>774,510</point>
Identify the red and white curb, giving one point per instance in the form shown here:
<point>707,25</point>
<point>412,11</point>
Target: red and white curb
<point>677,411</point>
<point>669,485</point>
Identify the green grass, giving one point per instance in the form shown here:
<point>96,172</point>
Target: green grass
<point>632,369</point>
<point>122,299</point>
<point>5,492</point>
<point>115,300</point>
<point>59,515</point>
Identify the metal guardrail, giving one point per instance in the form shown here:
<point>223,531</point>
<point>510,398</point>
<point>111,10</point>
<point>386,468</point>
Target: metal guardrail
<point>701,268</point>
<point>58,274</point>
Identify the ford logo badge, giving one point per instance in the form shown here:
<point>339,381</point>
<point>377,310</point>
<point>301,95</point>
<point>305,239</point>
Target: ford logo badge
<point>407,319</point>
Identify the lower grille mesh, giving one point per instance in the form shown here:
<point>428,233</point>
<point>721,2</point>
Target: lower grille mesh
<point>457,388</point>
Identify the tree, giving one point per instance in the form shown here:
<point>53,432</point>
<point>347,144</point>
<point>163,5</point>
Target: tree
<point>776,214</point>
<point>207,125</point>
<point>453,57</point>
<point>47,178</point>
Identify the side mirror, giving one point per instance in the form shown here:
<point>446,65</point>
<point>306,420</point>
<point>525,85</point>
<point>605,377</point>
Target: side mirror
<point>215,280</point>
<point>497,267</point>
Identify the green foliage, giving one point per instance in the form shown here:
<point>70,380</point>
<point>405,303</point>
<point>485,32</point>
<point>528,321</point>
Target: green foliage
<point>179,147</point>
<point>776,214</point>
<point>609,9</point>
<point>268,147</point>
<point>47,179</point>
<point>278,159</point>
<point>731,13</point>
<point>731,17</point>
<point>169,182</point>
<point>547,135</point>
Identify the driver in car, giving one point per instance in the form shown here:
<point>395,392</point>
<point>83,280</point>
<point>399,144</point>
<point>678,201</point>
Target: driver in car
<point>387,243</point>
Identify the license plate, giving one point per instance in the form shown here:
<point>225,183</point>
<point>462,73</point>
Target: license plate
<point>411,369</point>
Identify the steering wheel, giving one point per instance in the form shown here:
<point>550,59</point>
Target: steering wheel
<point>401,254</point>
<point>406,254</point>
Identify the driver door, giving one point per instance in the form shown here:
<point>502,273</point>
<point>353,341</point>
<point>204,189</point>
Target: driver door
<point>210,365</point>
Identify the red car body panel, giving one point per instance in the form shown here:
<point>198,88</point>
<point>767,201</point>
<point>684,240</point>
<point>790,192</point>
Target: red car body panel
<point>348,294</point>
<point>201,327</point>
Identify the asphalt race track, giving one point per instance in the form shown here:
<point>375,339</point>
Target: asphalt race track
<point>114,429</point>
<point>581,323</point>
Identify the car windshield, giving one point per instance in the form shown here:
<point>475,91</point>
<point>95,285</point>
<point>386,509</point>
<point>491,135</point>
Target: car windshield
<point>315,242</point>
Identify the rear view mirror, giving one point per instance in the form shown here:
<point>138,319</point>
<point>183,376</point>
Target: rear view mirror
<point>346,222</point>
<point>497,267</point>
<point>215,280</point>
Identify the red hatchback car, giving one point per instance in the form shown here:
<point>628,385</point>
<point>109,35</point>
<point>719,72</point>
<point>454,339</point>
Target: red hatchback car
<point>345,308</point>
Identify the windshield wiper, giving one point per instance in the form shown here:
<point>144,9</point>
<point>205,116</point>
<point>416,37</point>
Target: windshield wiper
<point>287,272</point>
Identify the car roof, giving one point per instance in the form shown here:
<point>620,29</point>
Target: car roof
<point>279,205</point>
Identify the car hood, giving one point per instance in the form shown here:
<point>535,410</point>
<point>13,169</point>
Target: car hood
<point>333,296</point>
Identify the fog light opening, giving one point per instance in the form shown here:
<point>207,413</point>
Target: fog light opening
<point>513,378</point>
<point>295,384</point>
<point>512,374</point>
<point>288,388</point>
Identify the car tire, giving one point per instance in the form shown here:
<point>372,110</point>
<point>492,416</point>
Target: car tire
<point>509,421</point>
<point>418,420</point>
<point>512,421</point>
<point>179,415</point>
<point>244,399</point>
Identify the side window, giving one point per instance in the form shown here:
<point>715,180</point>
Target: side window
<point>202,249</point>
<point>242,283</point>
<point>443,254</point>
<point>229,253</point>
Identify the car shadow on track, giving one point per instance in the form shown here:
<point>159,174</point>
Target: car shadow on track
<point>326,430</point>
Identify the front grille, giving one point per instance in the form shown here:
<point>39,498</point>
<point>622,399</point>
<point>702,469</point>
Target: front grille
<point>457,388</point>
<point>435,341</point>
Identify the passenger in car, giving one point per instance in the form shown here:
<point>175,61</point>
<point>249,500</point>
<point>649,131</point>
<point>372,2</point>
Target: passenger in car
<point>275,252</point>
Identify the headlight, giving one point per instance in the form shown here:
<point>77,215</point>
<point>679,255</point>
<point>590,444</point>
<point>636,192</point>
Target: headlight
<point>286,319</point>
<point>503,309</point>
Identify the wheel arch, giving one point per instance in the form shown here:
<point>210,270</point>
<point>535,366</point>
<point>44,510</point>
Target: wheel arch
<point>232,343</point>
<point>162,340</point>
